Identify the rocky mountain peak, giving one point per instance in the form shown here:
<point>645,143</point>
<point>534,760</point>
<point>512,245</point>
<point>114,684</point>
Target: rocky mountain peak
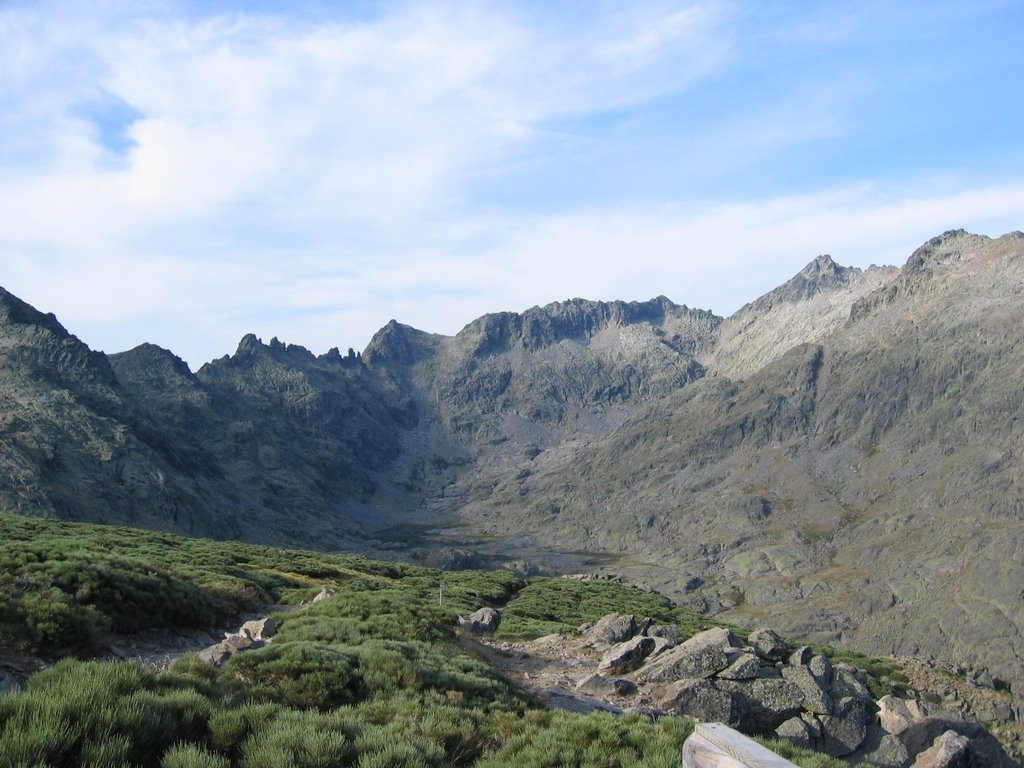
<point>14,311</point>
<point>398,344</point>
<point>948,248</point>
<point>821,274</point>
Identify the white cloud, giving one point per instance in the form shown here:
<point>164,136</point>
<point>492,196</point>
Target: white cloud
<point>313,180</point>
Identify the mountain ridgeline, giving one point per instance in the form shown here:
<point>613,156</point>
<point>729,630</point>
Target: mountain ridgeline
<point>841,457</point>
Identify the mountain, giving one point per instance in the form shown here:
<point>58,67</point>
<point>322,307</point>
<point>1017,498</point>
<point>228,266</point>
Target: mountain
<point>842,454</point>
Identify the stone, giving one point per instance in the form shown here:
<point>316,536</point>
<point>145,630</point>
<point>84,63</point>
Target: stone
<point>897,715</point>
<point>742,666</point>
<point>667,631</point>
<point>624,687</point>
<point>801,656</point>
<point>848,681</point>
<point>950,750</point>
<point>259,629</point>
<point>880,749</point>
<point>627,656</point>
<point>796,731</point>
<point>821,668</point>
<point>323,594</point>
<point>240,642</point>
<point>844,731</point>
<point>612,629</point>
<point>596,684</point>
<point>767,644</point>
<point>661,644</point>
<point>481,621</point>
<point>8,682</point>
<point>763,704</point>
<point>703,655</point>
<point>700,699</point>
<point>815,699</point>
<point>216,654</point>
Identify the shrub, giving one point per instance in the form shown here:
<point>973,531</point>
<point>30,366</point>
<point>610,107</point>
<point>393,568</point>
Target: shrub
<point>301,740</point>
<point>192,756</point>
<point>299,674</point>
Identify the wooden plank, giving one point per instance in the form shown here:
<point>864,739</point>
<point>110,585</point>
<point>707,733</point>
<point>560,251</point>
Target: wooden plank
<point>742,748</point>
<point>698,752</point>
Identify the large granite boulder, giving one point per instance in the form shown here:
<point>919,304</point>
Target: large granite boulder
<point>612,629</point>
<point>703,655</point>
<point>700,699</point>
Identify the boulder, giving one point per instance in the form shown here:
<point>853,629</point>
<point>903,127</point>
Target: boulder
<point>764,704</point>
<point>323,594</point>
<point>742,666</point>
<point>667,631</point>
<point>700,699</point>
<point>880,749</point>
<point>216,654</point>
<point>768,645</point>
<point>661,644</point>
<point>703,655</point>
<point>627,656</point>
<point>484,620</point>
<point>801,656</point>
<point>612,629</point>
<point>896,715</point>
<point>844,731</point>
<point>796,731</point>
<point>815,699</point>
<point>849,681</point>
<point>259,629</point>
<point>950,750</point>
<point>821,668</point>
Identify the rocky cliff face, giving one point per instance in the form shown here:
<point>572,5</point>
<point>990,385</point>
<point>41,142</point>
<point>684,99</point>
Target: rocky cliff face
<point>842,454</point>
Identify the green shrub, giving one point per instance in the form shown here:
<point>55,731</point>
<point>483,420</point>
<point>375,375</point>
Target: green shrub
<point>192,756</point>
<point>299,674</point>
<point>301,740</point>
<point>593,741</point>
<point>230,727</point>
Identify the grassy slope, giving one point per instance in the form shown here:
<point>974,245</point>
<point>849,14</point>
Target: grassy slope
<point>370,677</point>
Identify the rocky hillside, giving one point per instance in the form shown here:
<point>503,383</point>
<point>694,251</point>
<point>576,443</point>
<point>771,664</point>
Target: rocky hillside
<point>842,454</point>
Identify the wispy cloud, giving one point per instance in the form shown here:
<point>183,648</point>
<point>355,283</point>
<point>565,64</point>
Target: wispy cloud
<point>182,176</point>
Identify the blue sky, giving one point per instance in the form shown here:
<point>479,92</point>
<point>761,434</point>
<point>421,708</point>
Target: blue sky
<point>185,173</point>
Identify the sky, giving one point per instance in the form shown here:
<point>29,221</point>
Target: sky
<point>184,173</point>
